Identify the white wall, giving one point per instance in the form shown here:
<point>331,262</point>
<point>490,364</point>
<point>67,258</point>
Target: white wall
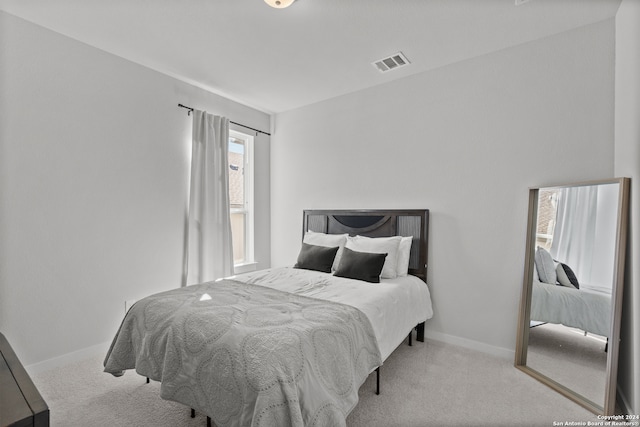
<point>94,172</point>
<point>604,250</point>
<point>465,141</point>
<point>627,163</point>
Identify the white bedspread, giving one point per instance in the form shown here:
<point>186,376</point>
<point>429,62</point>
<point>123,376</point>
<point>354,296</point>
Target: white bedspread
<point>587,310</point>
<point>393,306</point>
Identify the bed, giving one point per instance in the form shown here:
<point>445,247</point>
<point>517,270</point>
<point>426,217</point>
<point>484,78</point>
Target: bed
<point>585,309</point>
<point>285,346</point>
<point>557,296</point>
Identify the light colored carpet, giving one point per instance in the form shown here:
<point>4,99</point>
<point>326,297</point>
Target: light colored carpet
<point>428,384</point>
<point>571,358</point>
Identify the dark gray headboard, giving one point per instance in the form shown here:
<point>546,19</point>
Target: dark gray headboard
<point>377,223</point>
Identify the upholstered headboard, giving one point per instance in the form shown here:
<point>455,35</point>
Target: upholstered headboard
<point>377,223</point>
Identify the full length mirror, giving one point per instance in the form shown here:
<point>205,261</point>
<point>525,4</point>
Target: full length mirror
<point>569,323</point>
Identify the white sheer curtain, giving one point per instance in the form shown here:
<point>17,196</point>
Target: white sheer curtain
<point>574,237</point>
<point>209,248</point>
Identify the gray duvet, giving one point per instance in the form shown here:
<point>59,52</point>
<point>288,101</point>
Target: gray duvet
<point>248,355</point>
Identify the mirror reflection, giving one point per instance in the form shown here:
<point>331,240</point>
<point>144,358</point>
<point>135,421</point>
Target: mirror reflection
<point>574,248</point>
<point>572,286</point>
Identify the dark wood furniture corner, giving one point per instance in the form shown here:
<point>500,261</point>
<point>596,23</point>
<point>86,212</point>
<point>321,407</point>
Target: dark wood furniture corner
<point>20,402</point>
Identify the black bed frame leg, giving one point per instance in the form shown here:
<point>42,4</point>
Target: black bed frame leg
<point>420,332</point>
<point>378,380</point>
<point>193,413</point>
<point>208,421</point>
<point>410,338</point>
<point>147,380</point>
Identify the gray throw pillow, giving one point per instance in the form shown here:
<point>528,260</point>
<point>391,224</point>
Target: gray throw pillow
<point>365,266</point>
<point>545,266</point>
<point>318,258</point>
<point>566,276</point>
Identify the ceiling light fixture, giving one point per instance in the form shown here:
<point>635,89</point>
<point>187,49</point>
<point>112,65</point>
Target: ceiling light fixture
<point>279,4</point>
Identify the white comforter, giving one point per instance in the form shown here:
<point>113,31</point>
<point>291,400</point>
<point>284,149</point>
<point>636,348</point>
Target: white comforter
<point>587,310</point>
<point>393,306</point>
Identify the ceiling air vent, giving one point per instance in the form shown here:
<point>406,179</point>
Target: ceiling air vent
<point>396,60</point>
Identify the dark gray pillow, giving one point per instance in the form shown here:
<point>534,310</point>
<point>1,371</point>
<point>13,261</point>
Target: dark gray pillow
<point>318,258</point>
<point>566,276</point>
<point>360,265</point>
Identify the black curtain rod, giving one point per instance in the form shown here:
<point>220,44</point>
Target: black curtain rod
<point>238,124</point>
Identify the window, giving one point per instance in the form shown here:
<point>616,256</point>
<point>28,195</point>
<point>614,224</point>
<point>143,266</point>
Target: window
<point>241,198</point>
<point>547,211</point>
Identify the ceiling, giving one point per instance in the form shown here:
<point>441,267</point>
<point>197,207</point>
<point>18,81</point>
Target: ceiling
<point>279,59</point>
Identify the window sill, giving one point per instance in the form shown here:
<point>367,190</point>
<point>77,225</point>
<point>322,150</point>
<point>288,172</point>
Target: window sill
<point>245,267</point>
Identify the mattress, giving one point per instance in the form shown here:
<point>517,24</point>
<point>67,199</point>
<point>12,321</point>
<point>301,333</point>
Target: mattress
<point>584,309</point>
<point>393,306</point>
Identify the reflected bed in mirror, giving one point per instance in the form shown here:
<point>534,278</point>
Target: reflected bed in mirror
<point>569,323</point>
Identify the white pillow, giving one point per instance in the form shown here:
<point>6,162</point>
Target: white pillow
<point>404,253</point>
<point>379,245</point>
<point>545,266</point>
<point>329,241</point>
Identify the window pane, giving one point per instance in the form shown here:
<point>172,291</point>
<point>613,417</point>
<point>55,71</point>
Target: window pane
<point>237,231</point>
<point>236,173</point>
<point>241,196</point>
<point>547,211</point>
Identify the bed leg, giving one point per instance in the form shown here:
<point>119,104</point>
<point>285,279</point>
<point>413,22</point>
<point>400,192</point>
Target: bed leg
<point>193,413</point>
<point>208,421</point>
<point>378,380</point>
<point>420,333</point>
<point>410,338</point>
<point>147,380</point>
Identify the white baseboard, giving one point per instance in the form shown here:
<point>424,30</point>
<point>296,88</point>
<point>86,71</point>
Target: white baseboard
<point>69,358</point>
<point>471,344</point>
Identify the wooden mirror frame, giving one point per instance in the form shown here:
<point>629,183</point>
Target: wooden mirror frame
<point>522,338</point>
